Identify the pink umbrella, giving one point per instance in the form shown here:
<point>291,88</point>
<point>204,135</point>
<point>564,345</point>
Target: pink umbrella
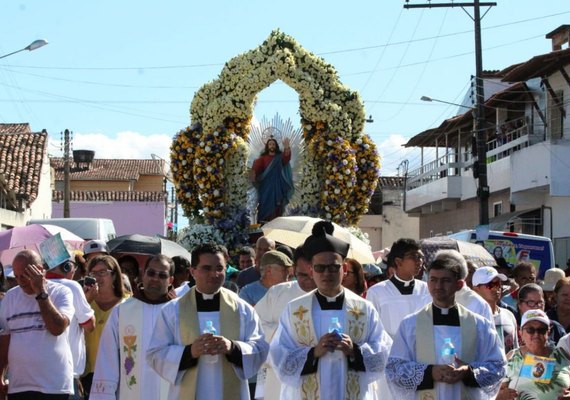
<point>29,237</point>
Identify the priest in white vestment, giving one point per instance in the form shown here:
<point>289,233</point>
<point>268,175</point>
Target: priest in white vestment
<point>208,342</point>
<point>423,366</point>
<point>402,294</point>
<point>270,308</point>
<point>330,343</point>
<point>121,371</point>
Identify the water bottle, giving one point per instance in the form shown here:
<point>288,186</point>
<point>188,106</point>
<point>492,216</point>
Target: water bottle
<point>448,352</point>
<point>210,359</point>
<point>336,328</point>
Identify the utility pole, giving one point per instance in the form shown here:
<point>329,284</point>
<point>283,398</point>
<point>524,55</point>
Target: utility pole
<point>66,189</point>
<point>480,166</point>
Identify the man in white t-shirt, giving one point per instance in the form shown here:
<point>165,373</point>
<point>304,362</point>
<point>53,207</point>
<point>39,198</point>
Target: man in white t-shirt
<point>83,320</point>
<point>34,318</point>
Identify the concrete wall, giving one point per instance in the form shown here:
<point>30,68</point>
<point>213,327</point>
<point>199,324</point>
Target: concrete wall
<point>128,217</point>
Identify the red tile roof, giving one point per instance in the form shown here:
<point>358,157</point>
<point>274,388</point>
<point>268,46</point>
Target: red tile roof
<point>101,195</point>
<point>15,128</point>
<point>21,158</point>
<point>109,170</point>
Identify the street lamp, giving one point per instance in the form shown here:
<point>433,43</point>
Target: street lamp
<point>429,99</point>
<point>36,44</point>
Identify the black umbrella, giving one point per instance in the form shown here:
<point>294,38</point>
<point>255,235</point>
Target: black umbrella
<point>140,244</point>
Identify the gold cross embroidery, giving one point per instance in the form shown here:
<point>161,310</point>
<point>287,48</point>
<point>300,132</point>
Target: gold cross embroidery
<point>300,313</point>
<point>356,312</point>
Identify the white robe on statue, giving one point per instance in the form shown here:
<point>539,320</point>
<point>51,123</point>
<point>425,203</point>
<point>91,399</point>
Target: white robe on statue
<point>405,372</point>
<point>269,309</point>
<point>301,326</point>
<point>166,349</point>
<point>109,368</point>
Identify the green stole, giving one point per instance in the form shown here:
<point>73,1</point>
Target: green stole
<point>425,348</point>
<point>190,330</point>
<point>130,333</point>
<point>304,331</point>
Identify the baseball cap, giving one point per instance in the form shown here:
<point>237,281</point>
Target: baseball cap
<point>275,257</point>
<point>95,246</point>
<point>551,278</point>
<point>535,315</point>
<point>485,275</point>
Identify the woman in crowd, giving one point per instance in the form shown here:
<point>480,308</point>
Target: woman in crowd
<point>531,297</point>
<point>561,312</point>
<point>532,380</point>
<point>354,278</point>
<point>105,293</point>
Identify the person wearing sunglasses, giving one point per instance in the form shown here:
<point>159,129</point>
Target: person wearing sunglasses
<point>330,340</point>
<point>547,378</point>
<point>121,370</point>
<point>488,283</point>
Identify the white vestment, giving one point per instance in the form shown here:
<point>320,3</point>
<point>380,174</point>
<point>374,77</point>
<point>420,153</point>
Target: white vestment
<point>269,309</point>
<point>473,302</point>
<point>393,306</point>
<point>288,353</point>
<point>106,378</point>
<point>167,347</point>
<point>405,373</point>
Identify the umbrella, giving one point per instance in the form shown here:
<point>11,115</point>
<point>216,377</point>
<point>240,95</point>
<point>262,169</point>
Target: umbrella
<point>146,245</point>
<point>29,237</point>
<point>293,231</point>
<point>471,251</point>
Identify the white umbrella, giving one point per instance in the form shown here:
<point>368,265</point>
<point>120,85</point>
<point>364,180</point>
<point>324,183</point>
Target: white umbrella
<point>293,231</point>
<point>471,251</point>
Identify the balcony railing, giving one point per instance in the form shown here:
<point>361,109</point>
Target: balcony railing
<point>501,146</point>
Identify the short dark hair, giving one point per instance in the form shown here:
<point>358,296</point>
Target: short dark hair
<point>246,251</point>
<point>446,264</point>
<point>299,253</point>
<point>181,264</point>
<point>128,258</point>
<point>283,248</point>
<point>205,248</point>
<point>399,248</point>
<point>161,258</point>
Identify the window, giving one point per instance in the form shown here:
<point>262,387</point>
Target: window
<point>497,208</point>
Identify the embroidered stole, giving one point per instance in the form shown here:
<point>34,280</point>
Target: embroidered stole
<point>190,330</point>
<point>130,335</point>
<point>425,348</point>
<point>304,331</point>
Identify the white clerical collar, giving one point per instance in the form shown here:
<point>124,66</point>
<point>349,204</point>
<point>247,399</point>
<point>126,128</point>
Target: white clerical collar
<point>406,283</point>
<point>444,311</point>
<point>206,296</point>
<point>331,299</point>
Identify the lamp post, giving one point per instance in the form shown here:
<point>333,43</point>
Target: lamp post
<point>36,44</point>
<point>430,99</point>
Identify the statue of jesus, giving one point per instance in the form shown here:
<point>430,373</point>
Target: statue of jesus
<point>272,177</point>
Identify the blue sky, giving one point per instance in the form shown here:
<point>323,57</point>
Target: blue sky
<point>121,74</point>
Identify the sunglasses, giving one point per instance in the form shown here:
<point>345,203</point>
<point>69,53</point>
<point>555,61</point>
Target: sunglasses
<point>151,273</point>
<point>103,272</point>
<point>532,331</point>
<point>320,268</point>
<point>492,285</point>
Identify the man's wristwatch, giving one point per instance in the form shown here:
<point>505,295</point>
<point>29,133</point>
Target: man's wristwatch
<point>42,296</point>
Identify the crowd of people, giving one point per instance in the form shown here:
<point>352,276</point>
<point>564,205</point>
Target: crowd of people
<point>304,323</point>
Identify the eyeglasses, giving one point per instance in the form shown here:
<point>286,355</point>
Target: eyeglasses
<point>101,273</point>
<point>531,331</point>
<point>532,303</point>
<point>320,268</point>
<point>492,285</point>
<point>151,273</point>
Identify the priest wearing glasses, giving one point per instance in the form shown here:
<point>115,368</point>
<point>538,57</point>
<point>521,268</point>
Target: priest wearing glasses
<point>445,351</point>
<point>330,343</point>
<point>208,342</point>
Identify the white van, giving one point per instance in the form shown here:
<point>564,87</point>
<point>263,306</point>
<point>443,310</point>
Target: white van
<point>515,247</point>
<point>85,228</point>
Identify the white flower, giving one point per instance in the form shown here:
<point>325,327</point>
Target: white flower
<point>207,149</point>
<point>221,161</point>
<point>329,142</point>
<point>359,141</point>
<point>337,191</point>
<point>209,169</point>
<point>344,162</point>
<point>184,162</point>
<point>328,215</point>
<point>216,193</point>
<point>216,133</point>
<point>202,144</point>
<point>347,171</point>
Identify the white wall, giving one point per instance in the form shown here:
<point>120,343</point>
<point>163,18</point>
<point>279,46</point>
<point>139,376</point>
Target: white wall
<point>41,207</point>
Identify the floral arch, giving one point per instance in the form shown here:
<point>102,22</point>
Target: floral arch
<point>340,164</point>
